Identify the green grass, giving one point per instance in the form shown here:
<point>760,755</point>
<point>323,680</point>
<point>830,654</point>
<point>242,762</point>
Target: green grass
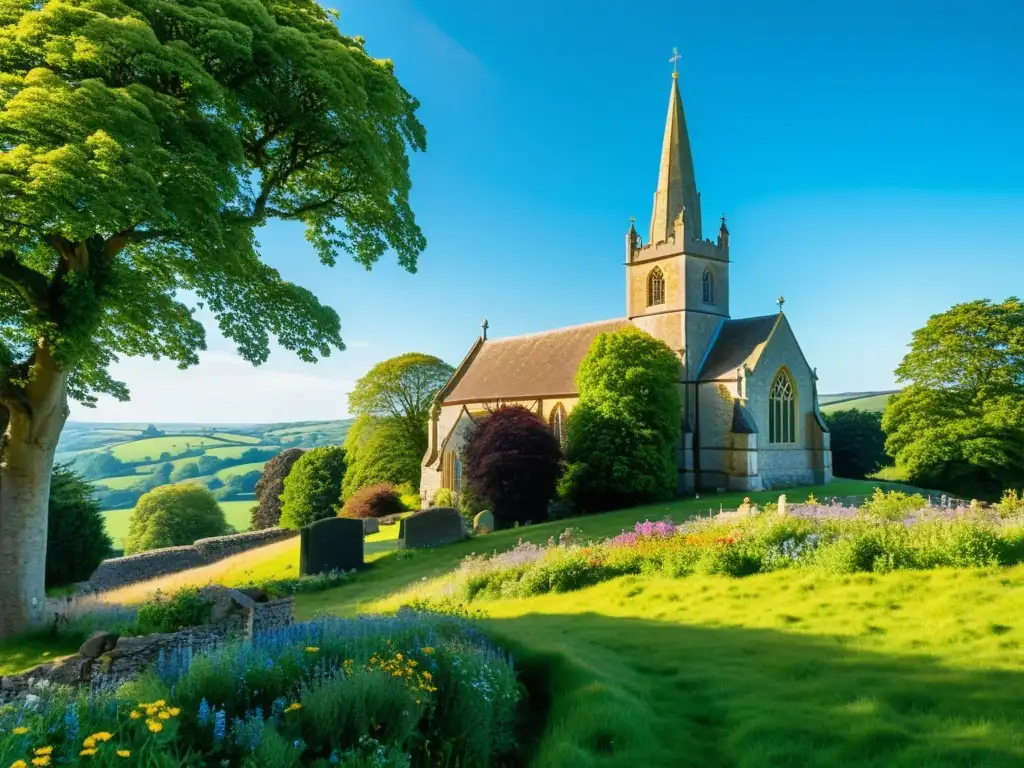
<point>150,448</point>
<point>239,469</point>
<point>21,653</point>
<point>120,483</point>
<point>891,475</point>
<point>874,403</point>
<point>236,512</point>
<point>233,451</point>
<point>249,439</point>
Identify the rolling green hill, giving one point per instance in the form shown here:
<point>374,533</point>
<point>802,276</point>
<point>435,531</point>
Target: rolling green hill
<point>863,401</point>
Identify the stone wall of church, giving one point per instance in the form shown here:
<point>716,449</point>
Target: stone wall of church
<point>793,463</point>
<point>714,410</point>
<point>638,274</point>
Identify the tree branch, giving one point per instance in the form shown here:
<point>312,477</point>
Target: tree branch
<point>29,284</point>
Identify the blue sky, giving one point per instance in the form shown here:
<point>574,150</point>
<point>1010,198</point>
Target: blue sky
<point>868,157</point>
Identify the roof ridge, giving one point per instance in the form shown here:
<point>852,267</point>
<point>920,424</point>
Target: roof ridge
<point>558,330</point>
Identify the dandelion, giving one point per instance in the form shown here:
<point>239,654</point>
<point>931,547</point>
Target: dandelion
<point>89,743</point>
<point>155,726</point>
<point>88,751</point>
<point>174,711</point>
<point>134,714</point>
<point>312,649</point>
<point>103,736</point>
<point>124,753</point>
<point>293,706</point>
<point>44,751</point>
<point>19,764</point>
<point>19,731</point>
<point>165,715</point>
<point>40,761</point>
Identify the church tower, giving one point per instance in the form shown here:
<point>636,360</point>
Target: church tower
<point>677,284</point>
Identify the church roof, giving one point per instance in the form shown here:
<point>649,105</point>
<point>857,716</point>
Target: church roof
<point>737,342</point>
<point>535,365</point>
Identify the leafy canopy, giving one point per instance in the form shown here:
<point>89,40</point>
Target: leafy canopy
<point>402,388</point>
<point>146,141</point>
<point>312,489</point>
<point>621,436</point>
<point>380,451</point>
<point>77,540</point>
<point>858,443</point>
<point>959,423</point>
<point>173,516</point>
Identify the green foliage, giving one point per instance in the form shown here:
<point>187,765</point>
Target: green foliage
<point>172,516</point>
<point>380,451</point>
<point>858,443</point>
<point>402,388</point>
<point>312,489</point>
<point>77,540</point>
<point>959,423</point>
<point>621,436</point>
<point>185,608</point>
<point>1011,504</point>
<point>373,501</point>
<point>443,497</point>
<point>268,490</point>
<point>891,506</point>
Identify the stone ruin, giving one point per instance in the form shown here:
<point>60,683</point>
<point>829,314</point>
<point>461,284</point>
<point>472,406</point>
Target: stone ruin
<point>333,544</point>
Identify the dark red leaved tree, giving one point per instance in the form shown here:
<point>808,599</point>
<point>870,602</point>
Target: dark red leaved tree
<point>514,462</point>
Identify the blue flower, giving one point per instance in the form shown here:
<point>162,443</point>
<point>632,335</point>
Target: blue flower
<point>204,712</point>
<point>220,725</point>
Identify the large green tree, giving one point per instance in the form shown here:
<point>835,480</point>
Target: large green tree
<point>858,442</point>
<point>312,489</point>
<point>958,425</point>
<point>380,451</point>
<point>402,388</point>
<point>621,437</point>
<point>142,145</point>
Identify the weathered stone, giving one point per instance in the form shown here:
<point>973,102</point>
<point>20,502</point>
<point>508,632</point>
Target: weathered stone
<point>371,525</point>
<point>483,522</point>
<point>97,644</point>
<point>334,544</point>
<point>227,606</point>
<point>782,504</point>
<point>391,519</point>
<point>255,594</point>
<point>744,508</point>
<point>431,528</point>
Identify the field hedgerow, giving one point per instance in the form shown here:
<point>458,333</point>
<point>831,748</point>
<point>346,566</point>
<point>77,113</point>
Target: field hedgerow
<point>408,690</point>
<point>891,531</point>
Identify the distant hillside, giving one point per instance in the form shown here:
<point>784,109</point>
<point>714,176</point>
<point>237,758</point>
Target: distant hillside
<point>123,461</point>
<point>863,401</point>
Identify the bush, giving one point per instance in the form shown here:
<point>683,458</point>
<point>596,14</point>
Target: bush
<point>443,497</point>
<point>1011,504</point>
<point>172,516</point>
<point>373,501</point>
<point>622,434</point>
<point>513,461</point>
<point>185,608</point>
<point>893,506</point>
<point>858,443</point>
<point>312,490</point>
<point>77,539</point>
<point>267,513</point>
<point>380,451</point>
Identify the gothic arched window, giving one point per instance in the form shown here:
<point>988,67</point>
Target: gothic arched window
<point>655,287</point>
<point>558,423</point>
<point>782,409</point>
<point>708,282</point>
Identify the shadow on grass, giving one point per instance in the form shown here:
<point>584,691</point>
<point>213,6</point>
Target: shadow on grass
<point>632,692</point>
<point>18,654</point>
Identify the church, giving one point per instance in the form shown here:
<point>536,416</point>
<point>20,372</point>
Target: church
<point>750,418</point>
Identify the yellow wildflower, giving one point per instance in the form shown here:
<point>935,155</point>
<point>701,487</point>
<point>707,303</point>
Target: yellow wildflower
<point>44,760</point>
<point>427,676</point>
<point>87,752</point>
<point>44,751</point>
<point>152,710</point>
<point>293,706</point>
<point>21,730</point>
<point>155,726</point>
<point>174,711</point>
<point>135,715</point>
<point>398,657</point>
<point>165,715</point>
<point>159,703</point>
<point>312,649</point>
<point>428,651</point>
<point>19,764</point>
<point>124,753</point>
<point>103,736</point>
<point>89,743</point>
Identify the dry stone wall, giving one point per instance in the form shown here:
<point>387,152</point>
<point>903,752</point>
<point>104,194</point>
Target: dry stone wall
<point>121,571</point>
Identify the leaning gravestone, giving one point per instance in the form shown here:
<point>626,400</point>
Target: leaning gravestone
<point>334,544</point>
<point>483,522</point>
<point>431,527</point>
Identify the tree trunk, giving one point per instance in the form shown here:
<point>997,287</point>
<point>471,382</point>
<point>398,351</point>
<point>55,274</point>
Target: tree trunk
<point>26,461</point>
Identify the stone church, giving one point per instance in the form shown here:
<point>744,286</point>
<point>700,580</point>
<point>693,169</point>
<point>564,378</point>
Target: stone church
<point>750,419</point>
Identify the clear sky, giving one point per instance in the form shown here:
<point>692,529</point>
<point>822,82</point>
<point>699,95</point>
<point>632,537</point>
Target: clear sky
<point>868,155</point>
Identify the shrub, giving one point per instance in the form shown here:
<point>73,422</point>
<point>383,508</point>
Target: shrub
<point>513,461</point>
<point>267,513</point>
<point>185,608</point>
<point>312,490</point>
<point>858,442</point>
<point>172,516</point>
<point>1011,504</point>
<point>443,497</point>
<point>373,501</point>
<point>893,506</point>
<point>380,450</point>
<point>622,434</point>
<point>77,539</point>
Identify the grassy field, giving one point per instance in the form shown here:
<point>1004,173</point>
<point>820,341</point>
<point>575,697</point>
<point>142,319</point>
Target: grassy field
<point>248,439</point>
<point>234,451</point>
<point>239,469</point>
<point>873,403</point>
<point>151,448</point>
<point>236,512</point>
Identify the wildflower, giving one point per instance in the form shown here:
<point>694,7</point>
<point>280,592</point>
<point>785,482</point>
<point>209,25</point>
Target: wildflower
<point>428,651</point>
<point>174,711</point>
<point>89,743</point>
<point>124,753</point>
<point>103,736</point>
<point>135,714</point>
<point>312,649</point>
<point>165,715</point>
<point>159,703</point>
<point>204,712</point>
<point>40,761</point>
<point>71,721</point>
<point>293,706</point>
<point>21,730</point>
<point>155,726</point>
<point>152,710</point>
<point>88,751</point>
<point>19,764</point>
<point>219,725</point>
<point>44,751</point>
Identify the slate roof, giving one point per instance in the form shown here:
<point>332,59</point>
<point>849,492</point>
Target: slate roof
<point>738,342</point>
<point>534,365</point>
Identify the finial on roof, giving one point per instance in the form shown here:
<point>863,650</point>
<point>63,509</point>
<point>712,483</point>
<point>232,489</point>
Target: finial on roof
<point>780,301</point>
<point>484,326</point>
<point>675,60</point>
<point>723,230</point>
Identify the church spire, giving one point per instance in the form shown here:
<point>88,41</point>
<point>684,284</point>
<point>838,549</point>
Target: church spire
<point>677,185</point>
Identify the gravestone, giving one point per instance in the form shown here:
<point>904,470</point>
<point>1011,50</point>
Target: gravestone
<point>782,504</point>
<point>334,544</point>
<point>431,528</point>
<point>483,522</point>
<point>371,525</point>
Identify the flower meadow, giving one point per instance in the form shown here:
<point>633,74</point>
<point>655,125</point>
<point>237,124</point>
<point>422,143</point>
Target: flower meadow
<point>890,531</point>
<point>407,690</point>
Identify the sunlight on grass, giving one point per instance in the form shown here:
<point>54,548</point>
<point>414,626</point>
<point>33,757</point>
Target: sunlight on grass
<point>21,653</point>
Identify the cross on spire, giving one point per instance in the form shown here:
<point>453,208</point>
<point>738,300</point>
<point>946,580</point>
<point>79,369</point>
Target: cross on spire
<point>780,301</point>
<point>675,60</point>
